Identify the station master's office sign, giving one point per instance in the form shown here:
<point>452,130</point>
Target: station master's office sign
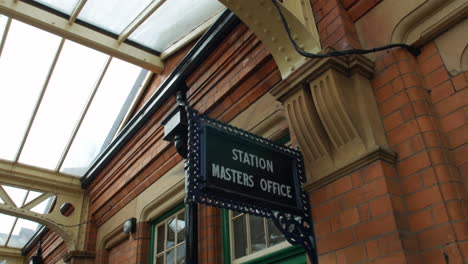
<point>234,169</point>
<point>241,171</point>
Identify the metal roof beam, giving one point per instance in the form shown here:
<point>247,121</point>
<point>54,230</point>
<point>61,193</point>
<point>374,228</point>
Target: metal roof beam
<point>76,11</point>
<point>60,26</point>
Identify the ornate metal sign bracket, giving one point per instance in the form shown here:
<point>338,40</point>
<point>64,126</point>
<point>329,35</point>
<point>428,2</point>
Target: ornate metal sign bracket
<point>294,222</point>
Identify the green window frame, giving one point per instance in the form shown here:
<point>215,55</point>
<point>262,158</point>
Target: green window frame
<point>164,220</point>
<point>288,255</point>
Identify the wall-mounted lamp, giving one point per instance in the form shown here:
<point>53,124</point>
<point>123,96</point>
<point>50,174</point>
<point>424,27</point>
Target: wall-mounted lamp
<point>129,225</point>
<point>176,126</point>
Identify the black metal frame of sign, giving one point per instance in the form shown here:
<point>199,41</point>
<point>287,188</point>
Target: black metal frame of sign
<point>280,196</point>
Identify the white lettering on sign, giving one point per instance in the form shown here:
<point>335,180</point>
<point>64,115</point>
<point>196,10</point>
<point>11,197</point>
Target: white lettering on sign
<point>275,188</point>
<point>245,179</point>
<point>252,160</point>
<point>232,175</point>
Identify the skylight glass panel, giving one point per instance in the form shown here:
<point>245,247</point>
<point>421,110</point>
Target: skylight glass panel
<point>107,104</point>
<point>6,225</point>
<point>173,21</point>
<point>31,196</point>
<point>17,195</point>
<point>23,71</point>
<point>112,15</point>
<point>44,206</point>
<point>64,6</point>
<point>24,230</point>
<point>71,84</point>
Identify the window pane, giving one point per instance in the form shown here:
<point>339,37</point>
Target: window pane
<point>171,233</point>
<point>181,254</point>
<point>181,227</point>
<point>240,235</point>
<point>170,257</point>
<point>115,88</point>
<point>73,79</point>
<point>17,195</point>
<point>275,236</point>
<point>23,70</point>
<point>174,20</point>
<point>160,238</point>
<point>112,15</point>
<point>160,260</point>
<point>65,7</point>
<point>22,233</point>
<point>6,225</point>
<point>257,233</point>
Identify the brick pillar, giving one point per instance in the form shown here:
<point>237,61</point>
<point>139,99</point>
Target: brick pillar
<point>357,217</point>
<point>414,101</point>
<point>143,240</point>
<point>210,241</point>
<point>335,27</point>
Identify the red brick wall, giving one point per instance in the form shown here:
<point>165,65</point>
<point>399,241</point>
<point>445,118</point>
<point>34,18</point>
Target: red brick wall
<point>358,8</point>
<point>414,211</point>
<point>423,114</point>
<point>235,75</point>
<point>123,253</point>
<point>358,217</point>
<point>334,24</point>
<point>210,243</point>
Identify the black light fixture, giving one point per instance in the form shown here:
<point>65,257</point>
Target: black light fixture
<point>38,258</point>
<point>176,125</point>
<point>129,226</point>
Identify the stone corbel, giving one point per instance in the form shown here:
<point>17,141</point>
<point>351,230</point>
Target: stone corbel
<point>334,116</point>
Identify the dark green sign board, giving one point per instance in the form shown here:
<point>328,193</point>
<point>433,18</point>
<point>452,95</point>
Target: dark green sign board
<point>241,168</point>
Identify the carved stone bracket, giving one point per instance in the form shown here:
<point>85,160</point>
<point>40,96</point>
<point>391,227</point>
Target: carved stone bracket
<point>333,114</point>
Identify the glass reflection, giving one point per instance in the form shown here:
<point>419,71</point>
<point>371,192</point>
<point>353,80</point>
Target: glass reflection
<point>240,240</point>
<point>24,230</point>
<point>181,227</point>
<point>112,15</point>
<point>181,254</point>
<point>171,233</point>
<point>275,236</point>
<point>6,225</point>
<point>170,257</point>
<point>174,20</point>
<point>257,233</point>
<point>160,238</point>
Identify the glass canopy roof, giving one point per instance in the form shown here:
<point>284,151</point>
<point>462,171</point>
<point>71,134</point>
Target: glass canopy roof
<point>154,24</point>
<point>58,100</point>
<point>61,103</point>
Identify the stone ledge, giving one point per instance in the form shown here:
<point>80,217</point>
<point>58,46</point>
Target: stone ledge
<point>378,154</point>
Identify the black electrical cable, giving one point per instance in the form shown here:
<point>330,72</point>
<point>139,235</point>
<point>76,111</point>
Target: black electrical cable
<point>412,49</point>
